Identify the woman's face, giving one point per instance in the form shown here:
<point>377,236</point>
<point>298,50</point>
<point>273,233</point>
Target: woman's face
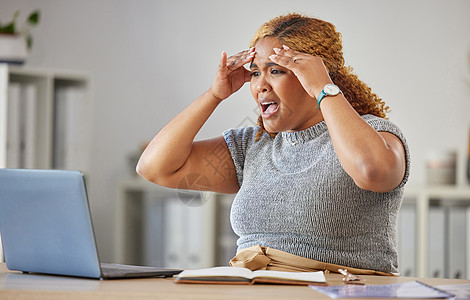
<point>283,102</point>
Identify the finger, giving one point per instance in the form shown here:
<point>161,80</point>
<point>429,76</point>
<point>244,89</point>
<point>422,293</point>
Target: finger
<point>286,51</point>
<point>239,55</point>
<point>223,59</point>
<point>283,60</point>
<point>222,65</point>
<point>236,61</point>
<point>291,53</point>
<point>241,58</point>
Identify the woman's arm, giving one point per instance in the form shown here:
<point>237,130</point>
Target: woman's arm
<point>374,160</point>
<point>174,160</point>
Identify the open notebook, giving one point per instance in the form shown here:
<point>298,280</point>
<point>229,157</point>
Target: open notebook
<point>234,275</point>
<point>46,227</point>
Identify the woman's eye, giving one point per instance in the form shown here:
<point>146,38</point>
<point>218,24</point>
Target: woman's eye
<point>254,73</point>
<point>274,71</point>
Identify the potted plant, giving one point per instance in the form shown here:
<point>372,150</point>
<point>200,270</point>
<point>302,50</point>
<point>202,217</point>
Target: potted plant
<point>16,41</point>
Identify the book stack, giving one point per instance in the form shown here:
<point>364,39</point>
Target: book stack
<point>448,240</point>
<point>173,232</point>
<point>226,239</point>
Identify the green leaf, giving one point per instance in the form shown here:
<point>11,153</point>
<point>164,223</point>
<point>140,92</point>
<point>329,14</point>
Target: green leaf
<point>9,28</point>
<point>29,42</point>
<point>33,18</point>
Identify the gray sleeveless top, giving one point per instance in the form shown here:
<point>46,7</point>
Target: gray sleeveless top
<point>295,196</point>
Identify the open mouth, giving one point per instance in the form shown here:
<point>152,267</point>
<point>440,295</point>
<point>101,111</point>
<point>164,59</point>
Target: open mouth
<point>269,108</point>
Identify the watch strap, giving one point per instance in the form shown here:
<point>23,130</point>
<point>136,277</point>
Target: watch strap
<point>320,97</point>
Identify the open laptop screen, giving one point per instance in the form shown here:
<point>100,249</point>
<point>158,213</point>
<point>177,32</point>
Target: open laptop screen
<point>45,223</point>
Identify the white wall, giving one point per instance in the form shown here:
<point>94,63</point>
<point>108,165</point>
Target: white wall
<point>149,59</point>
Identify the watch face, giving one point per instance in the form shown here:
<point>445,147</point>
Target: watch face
<point>331,89</point>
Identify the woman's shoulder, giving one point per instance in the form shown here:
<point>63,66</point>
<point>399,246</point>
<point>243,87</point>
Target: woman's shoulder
<point>381,124</point>
<point>246,135</point>
<point>385,125</point>
<point>245,138</point>
<point>242,132</point>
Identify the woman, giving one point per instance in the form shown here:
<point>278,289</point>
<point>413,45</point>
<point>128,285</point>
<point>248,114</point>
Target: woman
<point>320,180</point>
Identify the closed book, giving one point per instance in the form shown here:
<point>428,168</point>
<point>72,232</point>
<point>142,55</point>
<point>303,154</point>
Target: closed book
<point>174,235</point>
<point>437,242</point>
<point>153,229</point>
<point>456,260</point>
<point>407,240</point>
<point>193,236</point>
<point>68,128</point>
<point>13,147</point>
<point>235,275</point>
<point>28,125</point>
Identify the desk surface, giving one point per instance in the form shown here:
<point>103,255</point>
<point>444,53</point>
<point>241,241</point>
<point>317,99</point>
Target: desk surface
<point>15,285</point>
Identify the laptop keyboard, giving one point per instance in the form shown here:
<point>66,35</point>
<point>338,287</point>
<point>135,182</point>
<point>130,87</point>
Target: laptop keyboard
<point>118,270</point>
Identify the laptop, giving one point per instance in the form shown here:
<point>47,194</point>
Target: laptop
<point>46,227</point>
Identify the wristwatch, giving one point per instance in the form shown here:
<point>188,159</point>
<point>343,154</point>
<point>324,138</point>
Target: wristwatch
<point>328,90</point>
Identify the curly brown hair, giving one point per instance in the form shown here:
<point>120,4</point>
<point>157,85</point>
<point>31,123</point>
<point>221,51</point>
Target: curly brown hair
<point>320,38</point>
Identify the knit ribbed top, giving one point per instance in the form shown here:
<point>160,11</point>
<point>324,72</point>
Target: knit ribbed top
<point>295,196</point>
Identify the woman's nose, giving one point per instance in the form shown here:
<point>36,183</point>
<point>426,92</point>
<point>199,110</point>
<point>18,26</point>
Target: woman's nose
<point>263,86</point>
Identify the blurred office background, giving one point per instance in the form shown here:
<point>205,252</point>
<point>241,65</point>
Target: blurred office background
<point>148,59</point>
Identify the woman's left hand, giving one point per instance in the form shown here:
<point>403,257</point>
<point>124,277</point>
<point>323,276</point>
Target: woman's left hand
<point>310,70</point>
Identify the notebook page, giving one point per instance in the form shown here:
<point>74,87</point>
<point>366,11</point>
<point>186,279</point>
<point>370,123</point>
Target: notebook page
<point>217,272</point>
<point>302,276</point>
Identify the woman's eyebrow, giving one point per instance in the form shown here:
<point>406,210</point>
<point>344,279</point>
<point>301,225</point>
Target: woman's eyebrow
<point>268,64</point>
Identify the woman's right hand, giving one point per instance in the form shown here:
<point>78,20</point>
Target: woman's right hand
<point>231,74</point>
